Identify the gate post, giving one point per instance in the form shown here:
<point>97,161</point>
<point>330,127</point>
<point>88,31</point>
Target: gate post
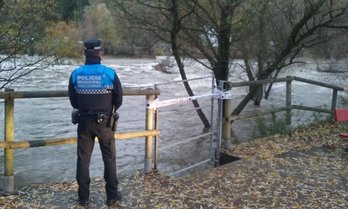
<point>8,179</point>
<point>219,125</point>
<point>148,139</point>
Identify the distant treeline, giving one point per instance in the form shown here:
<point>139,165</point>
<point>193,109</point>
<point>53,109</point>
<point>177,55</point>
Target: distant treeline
<point>59,26</point>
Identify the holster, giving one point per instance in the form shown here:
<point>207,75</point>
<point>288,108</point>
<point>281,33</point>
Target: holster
<point>75,116</point>
<point>113,121</point>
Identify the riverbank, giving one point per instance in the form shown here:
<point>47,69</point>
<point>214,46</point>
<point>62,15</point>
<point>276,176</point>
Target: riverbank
<point>306,170</point>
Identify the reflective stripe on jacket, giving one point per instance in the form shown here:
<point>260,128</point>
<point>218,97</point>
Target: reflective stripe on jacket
<point>95,88</point>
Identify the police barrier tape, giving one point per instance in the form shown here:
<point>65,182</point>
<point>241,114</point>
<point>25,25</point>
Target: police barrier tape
<point>217,94</point>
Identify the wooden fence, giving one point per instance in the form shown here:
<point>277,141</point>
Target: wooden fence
<point>288,103</point>
<point>151,121</point>
<point>9,144</point>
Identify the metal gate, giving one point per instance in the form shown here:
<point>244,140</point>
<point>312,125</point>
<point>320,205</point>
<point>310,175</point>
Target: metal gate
<point>213,135</point>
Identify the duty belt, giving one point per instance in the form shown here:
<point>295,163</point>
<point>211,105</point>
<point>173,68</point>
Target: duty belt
<point>92,113</point>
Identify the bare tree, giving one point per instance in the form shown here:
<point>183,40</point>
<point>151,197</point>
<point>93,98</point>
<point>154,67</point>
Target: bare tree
<point>22,28</point>
<point>164,19</point>
<point>209,31</point>
<point>272,32</point>
<point>298,25</point>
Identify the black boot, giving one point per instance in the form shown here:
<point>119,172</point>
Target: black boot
<point>118,198</point>
<point>84,203</point>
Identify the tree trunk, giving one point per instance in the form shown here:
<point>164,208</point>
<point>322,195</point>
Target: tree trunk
<point>262,51</point>
<point>174,44</point>
<point>245,101</point>
<point>224,44</point>
<point>258,95</point>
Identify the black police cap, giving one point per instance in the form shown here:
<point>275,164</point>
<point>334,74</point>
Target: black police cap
<point>92,44</point>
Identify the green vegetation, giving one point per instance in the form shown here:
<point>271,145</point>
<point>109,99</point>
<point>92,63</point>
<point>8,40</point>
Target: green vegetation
<point>71,10</point>
<point>344,101</point>
<point>276,124</point>
<point>62,40</point>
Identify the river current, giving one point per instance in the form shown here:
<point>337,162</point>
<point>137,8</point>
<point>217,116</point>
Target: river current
<point>45,118</point>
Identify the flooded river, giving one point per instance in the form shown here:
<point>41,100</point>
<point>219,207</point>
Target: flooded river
<point>45,118</point>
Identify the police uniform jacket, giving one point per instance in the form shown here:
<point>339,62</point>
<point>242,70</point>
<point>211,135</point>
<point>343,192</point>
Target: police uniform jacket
<point>95,88</point>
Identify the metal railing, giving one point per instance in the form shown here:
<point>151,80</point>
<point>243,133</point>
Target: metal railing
<point>210,133</point>
<point>9,144</point>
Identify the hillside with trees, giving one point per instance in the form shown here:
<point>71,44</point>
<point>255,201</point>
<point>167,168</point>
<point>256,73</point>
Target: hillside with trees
<point>267,35</point>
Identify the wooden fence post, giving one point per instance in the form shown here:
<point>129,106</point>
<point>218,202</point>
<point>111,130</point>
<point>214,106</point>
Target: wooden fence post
<point>334,101</point>
<point>8,183</point>
<point>288,104</point>
<point>226,124</point>
<point>148,139</point>
<point>155,164</point>
<point>219,125</point>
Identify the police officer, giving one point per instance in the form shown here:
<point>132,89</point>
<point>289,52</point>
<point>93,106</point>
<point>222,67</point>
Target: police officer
<point>95,91</point>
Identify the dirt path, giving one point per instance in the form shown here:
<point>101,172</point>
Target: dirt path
<point>307,170</point>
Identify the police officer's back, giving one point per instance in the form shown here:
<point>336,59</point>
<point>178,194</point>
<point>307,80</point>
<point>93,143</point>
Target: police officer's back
<point>96,92</point>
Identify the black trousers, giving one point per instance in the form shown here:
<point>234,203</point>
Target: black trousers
<point>88,128</point>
